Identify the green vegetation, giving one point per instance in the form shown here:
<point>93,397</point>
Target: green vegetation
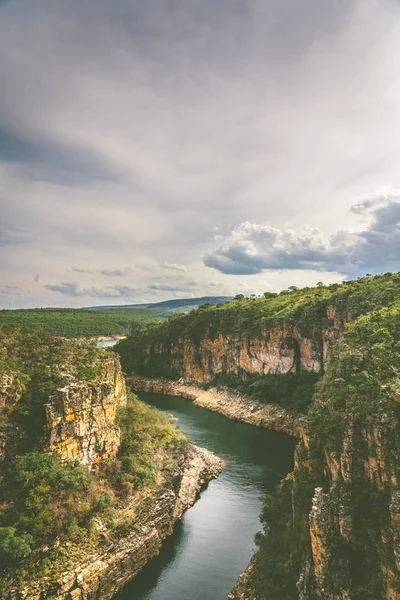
<point>75,322</point>
<point>360,390</point>
<point>290,390</point>
<point>146,432</point>
<point>308,312</point>
<point>45,504</point>
<point>44,500</point>
<point>281,545</point>
<point>306,308</point>
<point>37,364</point>
<point>100,321</point>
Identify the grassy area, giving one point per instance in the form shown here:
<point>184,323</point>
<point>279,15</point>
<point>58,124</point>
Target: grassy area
<point>75,322</point>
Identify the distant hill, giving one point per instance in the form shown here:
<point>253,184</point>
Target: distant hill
<point>102,320</point>
<point>175,305</point>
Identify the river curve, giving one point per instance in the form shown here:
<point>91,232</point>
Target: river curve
<point>214,542</point>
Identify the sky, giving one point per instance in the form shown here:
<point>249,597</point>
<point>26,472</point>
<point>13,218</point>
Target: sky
<point>180,148</point>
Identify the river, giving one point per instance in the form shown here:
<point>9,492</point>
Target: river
<point>213,543</point>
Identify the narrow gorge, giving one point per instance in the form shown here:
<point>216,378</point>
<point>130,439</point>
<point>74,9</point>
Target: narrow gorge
<point>331,529</point>
<point>94,479</point>
<point>83,508</point>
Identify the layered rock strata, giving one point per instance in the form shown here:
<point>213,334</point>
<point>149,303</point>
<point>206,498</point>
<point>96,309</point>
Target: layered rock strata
<point>149,518</point>
<point>80,418</point>
<point>278,349</point>
<point>228,403</point>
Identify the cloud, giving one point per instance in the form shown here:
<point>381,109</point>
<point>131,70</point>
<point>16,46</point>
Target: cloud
<point>114,272</point>
<point>9,290</point>
<point>133,132</point>
<point>10,235</point>
<point>105,272</point>
<point>52,159</point>
<point>86,271</point>
<point>174,267</point>
<point>252,248</point>
<point>165,287</point>
<point>74,290</point>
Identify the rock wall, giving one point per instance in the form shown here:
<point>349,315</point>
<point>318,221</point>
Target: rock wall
<point>81,417</point>
<point>103,571</point>
<point>340,508</point>
<point>230,404</point>
<point>280,349</point>
<point>365,466</point>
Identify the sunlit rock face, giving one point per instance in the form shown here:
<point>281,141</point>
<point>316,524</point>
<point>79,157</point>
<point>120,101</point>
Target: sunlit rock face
<point>273,352</point>
<point>282,349</point>
<point>81,417</point>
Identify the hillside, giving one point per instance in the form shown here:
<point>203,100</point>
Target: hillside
<point>91,479</point>
<point>331,529</point>
<point>99,321</point>
<point>243,340</point>
<point>175,305</point>
<point>75,322</point>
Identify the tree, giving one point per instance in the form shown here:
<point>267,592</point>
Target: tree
<point>239,297</point>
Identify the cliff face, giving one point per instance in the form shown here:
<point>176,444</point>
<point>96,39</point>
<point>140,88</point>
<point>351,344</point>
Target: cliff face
<point>354,522</point>
<point>80,418</point>
<point>102,571</point>
<point>280,350</point>
<point>332,530</point>
<point>199,347</point>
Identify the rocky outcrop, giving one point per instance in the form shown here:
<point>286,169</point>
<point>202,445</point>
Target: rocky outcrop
<point>340,510</point>
<point>80,417</point>
<point>228,403</point>
<point>149,517</point>
<point>280,350</point>
<point>241,591</point>
<point>269,349</point>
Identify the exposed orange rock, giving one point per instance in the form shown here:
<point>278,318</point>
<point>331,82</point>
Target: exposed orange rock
<point>81,417</point>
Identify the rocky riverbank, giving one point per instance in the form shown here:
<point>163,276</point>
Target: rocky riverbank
<point>241,589</point>
<point>228,403</point>
<point>147,519</point>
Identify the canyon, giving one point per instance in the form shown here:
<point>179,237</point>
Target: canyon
<point>338,510</point>
<point>230,404</point>
<point>79,426</point>
<point>148,518</point>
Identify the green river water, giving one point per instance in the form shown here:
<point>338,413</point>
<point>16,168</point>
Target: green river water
<point>213,543</point>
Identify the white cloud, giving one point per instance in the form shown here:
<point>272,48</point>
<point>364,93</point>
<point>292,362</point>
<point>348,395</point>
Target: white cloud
<point>174,267</point>
<point>74,290</point>
<point>135,150</point>
<point>252,248</point>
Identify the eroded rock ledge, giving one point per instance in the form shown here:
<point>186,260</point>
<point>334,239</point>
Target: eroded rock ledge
<point>231,404</point>
<point>150,517</point>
